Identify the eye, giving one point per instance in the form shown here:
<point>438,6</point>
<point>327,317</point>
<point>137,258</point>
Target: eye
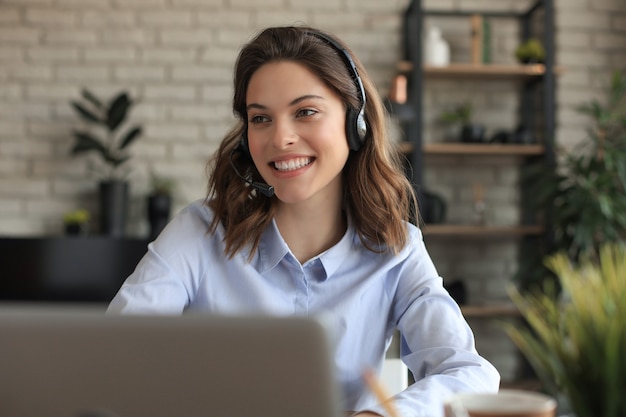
<point>306,112</point>
<point>258,119</point>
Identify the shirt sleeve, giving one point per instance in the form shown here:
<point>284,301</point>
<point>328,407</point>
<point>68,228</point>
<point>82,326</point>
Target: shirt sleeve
<point>437,343</point>
<point>166,277</point>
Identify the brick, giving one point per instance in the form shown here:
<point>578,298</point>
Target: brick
<point>11,128</point>
<point>10,91</point>
<point>173,131</point>
<point>82,73</point>
<point>139,73</point>
<point>70,37</point>
<point>109,18</point>
<point>24,110</point>
<point>24,187</point>
<point>579,20</point>
<point>57,91</point>
<point>186,37</point>
<point>9,14</point>
<point>113,54</point>
<point>51,17</point>
<point>129,37</point>
<point>259,4</point>
<point>165,18</point>
<point>610,41</point>
<point>219,55</point>
<point>53,54</point>
<point>19,36</point>
<point>208,73</point>
<point>9,206</point>
<point>170,92</point>
<point>224,19</point>
<point>11,53</point>
<point>168,55</point>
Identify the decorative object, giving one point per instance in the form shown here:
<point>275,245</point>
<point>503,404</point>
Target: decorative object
<point>436,49</point>
<point>432,208</point>
<point>470,132</point>
<point>478,195</point>
<point>159,204</point>
<point>586,198</point>
<point>530,52</point>
<point>76,222</point>
<point>576,341</point>
<point>106,138</point>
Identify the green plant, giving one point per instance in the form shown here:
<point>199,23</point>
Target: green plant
<point>530,51</point>
<point>160,185</point>
<point>105,135</point>
<point>584,198</point>
<point>461,114</point>
<point>576,341</point>
<point>79,216</point>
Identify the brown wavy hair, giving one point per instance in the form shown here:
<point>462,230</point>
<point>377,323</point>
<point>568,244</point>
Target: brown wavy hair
<point>378,197</point>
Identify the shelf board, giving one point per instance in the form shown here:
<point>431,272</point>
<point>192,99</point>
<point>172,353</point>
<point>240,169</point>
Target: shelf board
<point>482,149</point>
<point>490,310</point>
<point>456,70</point>
<point>468,230</point>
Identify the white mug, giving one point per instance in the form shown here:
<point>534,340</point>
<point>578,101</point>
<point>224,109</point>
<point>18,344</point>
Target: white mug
<point>506,403</point>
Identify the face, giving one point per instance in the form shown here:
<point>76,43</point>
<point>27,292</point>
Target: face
<point>296,132</point>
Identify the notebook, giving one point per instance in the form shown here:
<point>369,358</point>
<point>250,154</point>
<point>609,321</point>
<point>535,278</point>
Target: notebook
<point>72,362</point>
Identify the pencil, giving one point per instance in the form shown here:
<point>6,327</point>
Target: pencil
<point>380,393</point>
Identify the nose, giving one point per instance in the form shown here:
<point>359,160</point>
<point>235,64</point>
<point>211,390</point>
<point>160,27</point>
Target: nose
<point>283,134</point>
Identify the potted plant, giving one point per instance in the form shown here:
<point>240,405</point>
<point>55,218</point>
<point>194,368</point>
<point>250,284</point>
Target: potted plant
<point>530,52</point>
<point>584,198</point>
<point>159,204</point>
<point>107,137</point>
<point>576,340</point>
<point>76,222</point>
<point>461,115</point>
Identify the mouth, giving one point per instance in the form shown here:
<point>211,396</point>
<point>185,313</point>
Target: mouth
<point>292,164</point>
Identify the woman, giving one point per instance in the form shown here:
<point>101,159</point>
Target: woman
<point>308,214</point>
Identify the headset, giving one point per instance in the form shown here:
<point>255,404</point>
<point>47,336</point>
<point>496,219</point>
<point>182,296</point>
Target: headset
<point>356,127</point>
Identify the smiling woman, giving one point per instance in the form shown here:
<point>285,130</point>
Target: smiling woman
<point>308,214</point>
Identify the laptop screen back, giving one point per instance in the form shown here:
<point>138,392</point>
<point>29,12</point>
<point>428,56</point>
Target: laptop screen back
<point>60,364</point>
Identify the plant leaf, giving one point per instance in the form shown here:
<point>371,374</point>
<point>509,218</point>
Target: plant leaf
<point>86,142</point>
<point>90,97</point>
<point>117,111</point>
<point>130,137</point>
<point>86,113</point>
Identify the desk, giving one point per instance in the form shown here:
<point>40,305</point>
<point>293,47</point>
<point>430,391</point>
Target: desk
<point>66,269</point>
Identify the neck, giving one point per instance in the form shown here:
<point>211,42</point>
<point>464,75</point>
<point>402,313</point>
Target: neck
<point>310,232</point>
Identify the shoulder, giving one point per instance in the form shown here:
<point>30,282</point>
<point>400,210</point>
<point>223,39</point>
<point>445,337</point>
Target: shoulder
<point>190,224</point>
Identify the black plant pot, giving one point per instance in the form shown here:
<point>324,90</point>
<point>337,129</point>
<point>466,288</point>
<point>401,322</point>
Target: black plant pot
<point>473,133</point>
<point>159,207</point>
<point>113,207</point>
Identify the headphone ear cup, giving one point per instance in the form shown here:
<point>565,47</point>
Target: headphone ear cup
<point>243,142</point>
<point>355,129</point>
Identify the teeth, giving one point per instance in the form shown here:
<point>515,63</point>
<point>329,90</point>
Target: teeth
<point>292,164</point>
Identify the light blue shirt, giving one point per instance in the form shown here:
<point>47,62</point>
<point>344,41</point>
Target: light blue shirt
<point>364,295</point>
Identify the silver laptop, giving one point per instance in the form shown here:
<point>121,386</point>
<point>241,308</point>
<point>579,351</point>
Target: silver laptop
<point>69,362</point>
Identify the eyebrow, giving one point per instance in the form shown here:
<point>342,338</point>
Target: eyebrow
<point>291,103</point>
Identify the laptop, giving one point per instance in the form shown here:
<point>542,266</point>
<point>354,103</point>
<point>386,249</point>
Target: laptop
<point>78,362</point>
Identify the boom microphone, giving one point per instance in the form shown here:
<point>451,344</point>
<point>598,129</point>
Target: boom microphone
<point>265,189</point>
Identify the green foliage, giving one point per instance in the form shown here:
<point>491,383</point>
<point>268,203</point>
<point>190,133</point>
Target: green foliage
<point>461,114</point>
<point>585,199</point>
<point>576,341</point>
<point>105,136</point>
<point>530,51</point>
<point>161,185</point>
<point>79,216</point>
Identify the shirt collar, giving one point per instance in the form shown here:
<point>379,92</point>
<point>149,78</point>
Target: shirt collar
<point>273,248</point>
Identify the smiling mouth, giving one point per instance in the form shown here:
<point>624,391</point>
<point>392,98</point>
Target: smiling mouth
<point>292,164</point>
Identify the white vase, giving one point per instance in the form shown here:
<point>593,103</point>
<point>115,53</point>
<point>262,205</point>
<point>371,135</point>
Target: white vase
<point>436,49</point>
